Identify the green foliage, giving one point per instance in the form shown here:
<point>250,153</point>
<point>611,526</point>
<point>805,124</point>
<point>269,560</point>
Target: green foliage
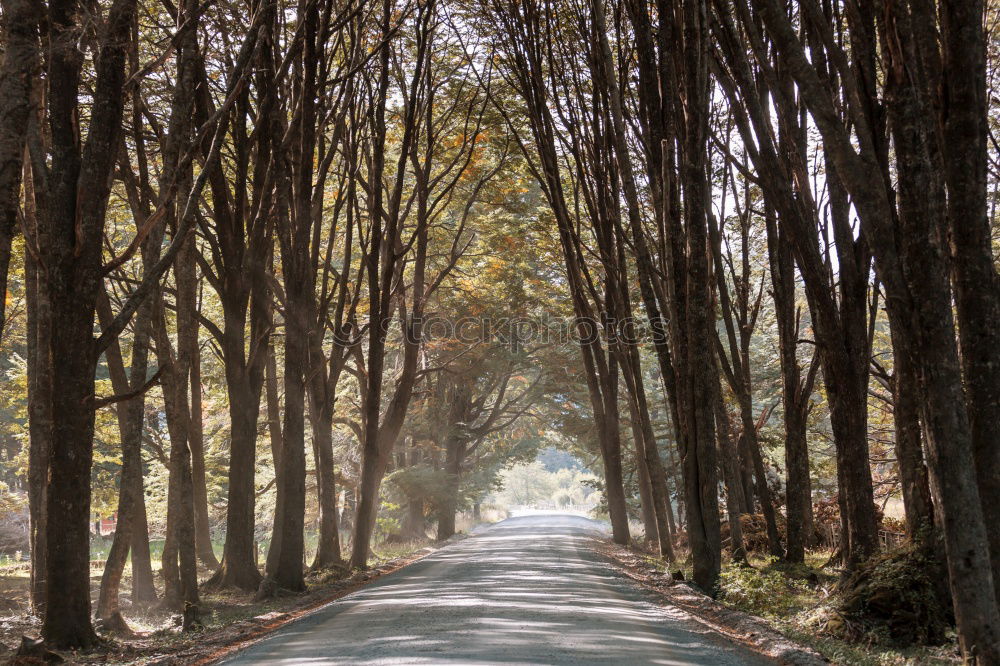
<point>760,591</point>
<point>386,522</point>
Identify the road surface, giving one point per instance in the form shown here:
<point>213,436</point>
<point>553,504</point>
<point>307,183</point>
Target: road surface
<point>528,590</point>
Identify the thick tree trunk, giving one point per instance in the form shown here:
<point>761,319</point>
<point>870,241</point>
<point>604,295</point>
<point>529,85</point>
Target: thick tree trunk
<point>372,471</point>
<point>238,567</point>
<point>71,229</point>
<point>67,537</point>
<point>977,286</point>
<point>798,488</point>
<point>924,262</point>
<point>285,558</point>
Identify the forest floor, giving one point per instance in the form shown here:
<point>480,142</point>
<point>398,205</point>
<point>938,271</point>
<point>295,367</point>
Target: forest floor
<point>229,618</point>
<point>769,603</point>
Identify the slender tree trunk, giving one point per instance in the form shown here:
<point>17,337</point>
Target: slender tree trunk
<point>909,449</point>
<point>321,396</point>
<point>645,491</point>
<point>203,532</point>
<point>179,559</point>
<point>651,462</point>
<point>277,444</point>
<point>794,394</point>
<point>611,451</point>
<point>700,462</point>
<point>18,74</point>
<point>414,524</point>
<point>328,547</point>
<point>735,500</point>
<point>453,470</point>
<point>760,476</point>
<point>143,589</point>
<point>40,422</point>
<point>185,271</point>
<point>130,423</point>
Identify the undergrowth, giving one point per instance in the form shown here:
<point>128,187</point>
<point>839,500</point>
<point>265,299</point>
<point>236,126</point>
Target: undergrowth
<point>848,623</point>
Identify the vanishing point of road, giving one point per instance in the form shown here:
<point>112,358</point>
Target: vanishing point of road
<point>528,590</point>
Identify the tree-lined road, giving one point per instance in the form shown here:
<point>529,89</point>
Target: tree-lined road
<point>529,590</point>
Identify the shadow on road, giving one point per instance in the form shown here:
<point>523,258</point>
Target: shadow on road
<point>530,590</point>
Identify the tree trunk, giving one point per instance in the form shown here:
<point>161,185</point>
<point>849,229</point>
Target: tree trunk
<point>977,286</point>
<point>179,562</point>
<point>794,394</point>
<point>372,471</point>
<point>72,231</point>
<point>185,272</point>
<point>454,452</point>
<point>238,568</point>
<point>18,74</point>
<point>328,547</point>
<point>699,456</point>
<point>67,537</point>
<point>40,423</point>
<point>202,530</point>
<point>321,396</point>
<point>645,491</point>
<point>130,423</point>
<point>651,464</point>
<point>287,543</point>
<point>143,589</point>
<point>924,262</point>
<point>752,444</point>
<point>909,449</point>
<point>735,500</point>
<point>611,453</point>
<point>414,523</point>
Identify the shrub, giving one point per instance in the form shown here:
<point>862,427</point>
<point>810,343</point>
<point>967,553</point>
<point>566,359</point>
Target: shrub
<point>763,591</point>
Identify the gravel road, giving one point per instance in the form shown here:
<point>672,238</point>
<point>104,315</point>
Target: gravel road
<point>528,590</point>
